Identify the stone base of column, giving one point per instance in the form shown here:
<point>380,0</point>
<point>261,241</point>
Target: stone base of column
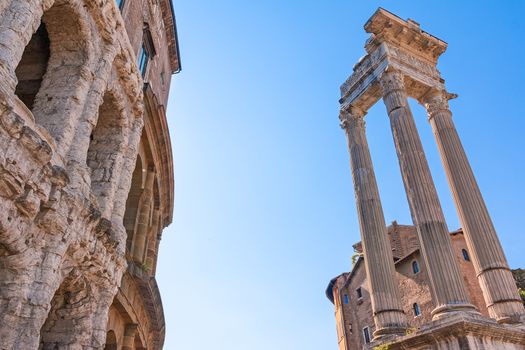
<point>446,310</point>
<point>457,332</point>
<point>389,323</point>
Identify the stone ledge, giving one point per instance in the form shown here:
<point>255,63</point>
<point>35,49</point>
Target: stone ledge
<point>461,332</point>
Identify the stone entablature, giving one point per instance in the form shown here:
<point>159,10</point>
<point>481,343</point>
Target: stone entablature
<point>394,45</point>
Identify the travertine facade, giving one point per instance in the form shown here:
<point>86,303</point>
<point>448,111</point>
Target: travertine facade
<point>86,178</point>
<point>400,63</point>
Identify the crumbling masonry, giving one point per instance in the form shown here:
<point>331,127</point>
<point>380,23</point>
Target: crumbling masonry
<point>86,178</point>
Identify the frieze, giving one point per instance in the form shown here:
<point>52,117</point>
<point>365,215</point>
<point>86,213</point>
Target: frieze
<point>417,64</point>
<point>365,65</point>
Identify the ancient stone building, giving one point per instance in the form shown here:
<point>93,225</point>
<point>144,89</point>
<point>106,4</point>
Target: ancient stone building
<point>401,63</point>
<point>86,177</point>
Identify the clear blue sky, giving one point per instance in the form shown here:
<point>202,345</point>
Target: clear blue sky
<point>264,205</point>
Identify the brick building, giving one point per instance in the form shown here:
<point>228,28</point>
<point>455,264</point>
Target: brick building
<point>86,171</point>
<point>349,292</point>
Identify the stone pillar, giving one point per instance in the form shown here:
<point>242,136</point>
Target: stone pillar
<point>495,278</point>
<point>144,214</point>
<point>446,283</point>
<point>128,342</point>
<point>152,246</point>
<point>387,309</point>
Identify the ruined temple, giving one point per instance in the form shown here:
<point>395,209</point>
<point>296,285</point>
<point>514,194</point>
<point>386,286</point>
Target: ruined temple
<point>401,63</point>
<point>86,172</point>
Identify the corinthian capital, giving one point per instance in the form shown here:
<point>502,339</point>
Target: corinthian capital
<point>392,80</point>
<point>436,101</point>
<point>351,117</point>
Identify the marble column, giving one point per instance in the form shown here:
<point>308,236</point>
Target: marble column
<point>144,216</point>
<point>495,278</point>
<point>387,309</point>
<point>446,283</point>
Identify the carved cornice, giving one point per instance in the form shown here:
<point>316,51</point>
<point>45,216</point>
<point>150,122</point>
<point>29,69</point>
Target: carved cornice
<point>387,27</point>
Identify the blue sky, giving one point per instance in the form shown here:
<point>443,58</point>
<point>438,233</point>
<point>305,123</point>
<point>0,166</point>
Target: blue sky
<point>264,206</point>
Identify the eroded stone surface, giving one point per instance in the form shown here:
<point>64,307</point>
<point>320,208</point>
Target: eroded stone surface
<point>75,120</point>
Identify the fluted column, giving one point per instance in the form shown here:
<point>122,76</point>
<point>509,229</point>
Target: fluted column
<point>495,278</point>
<point>446,283</point>
<point>387,309</point>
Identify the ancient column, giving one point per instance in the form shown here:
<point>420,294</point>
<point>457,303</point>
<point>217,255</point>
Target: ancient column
<point>446,283</point>
<point>143,220</point>
<point>495,278</point>
<point>128,343</point>
<point>387,309</point>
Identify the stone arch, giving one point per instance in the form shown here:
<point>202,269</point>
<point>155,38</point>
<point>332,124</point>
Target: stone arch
<point>69,315</point>
<point>105,154</point>
<point>111,341</point>
<point>52,71</point>
<point>32,67</point>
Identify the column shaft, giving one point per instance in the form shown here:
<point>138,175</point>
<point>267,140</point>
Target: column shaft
<point>446,283</point>
<point>128,343</point>
<point>387,309</point>
<point>143,220</point>
<point>495,278</point>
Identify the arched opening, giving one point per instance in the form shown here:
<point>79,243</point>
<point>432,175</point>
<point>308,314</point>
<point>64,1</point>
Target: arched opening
<point>416,308</point>
<point>49,72</point>
<point>132,203</point>
<point>466,257</point>
<point>111,341</point>
<point>71,307</point>
<point>32,67</point>
<point>415,266</point>
<point>105,153</point>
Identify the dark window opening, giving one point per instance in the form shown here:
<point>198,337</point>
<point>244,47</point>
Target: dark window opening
<point>32,67</point>
<point>415,267</point>
<point>143,61</point>
<point>366,335</point>
<point>417,310</point>
<point>465,255</point>
<point>359,293</point>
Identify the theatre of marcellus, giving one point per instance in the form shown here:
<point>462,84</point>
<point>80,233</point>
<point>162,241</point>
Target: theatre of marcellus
<point>400,62</point>
<point>86,174</point>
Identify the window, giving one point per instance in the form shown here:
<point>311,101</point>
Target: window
<point>366,335</point>
<point>417,310</point>
<point>359,293</point>
<point>415,266</point>
<point>147,50</point>
<point>346,298</point>
<point>143,60</point>
<point>465,255</point>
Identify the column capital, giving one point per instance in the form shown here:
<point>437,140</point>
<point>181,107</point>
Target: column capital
<point>436,100</point>
<point>392,80</point>
<point>351,117</point>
